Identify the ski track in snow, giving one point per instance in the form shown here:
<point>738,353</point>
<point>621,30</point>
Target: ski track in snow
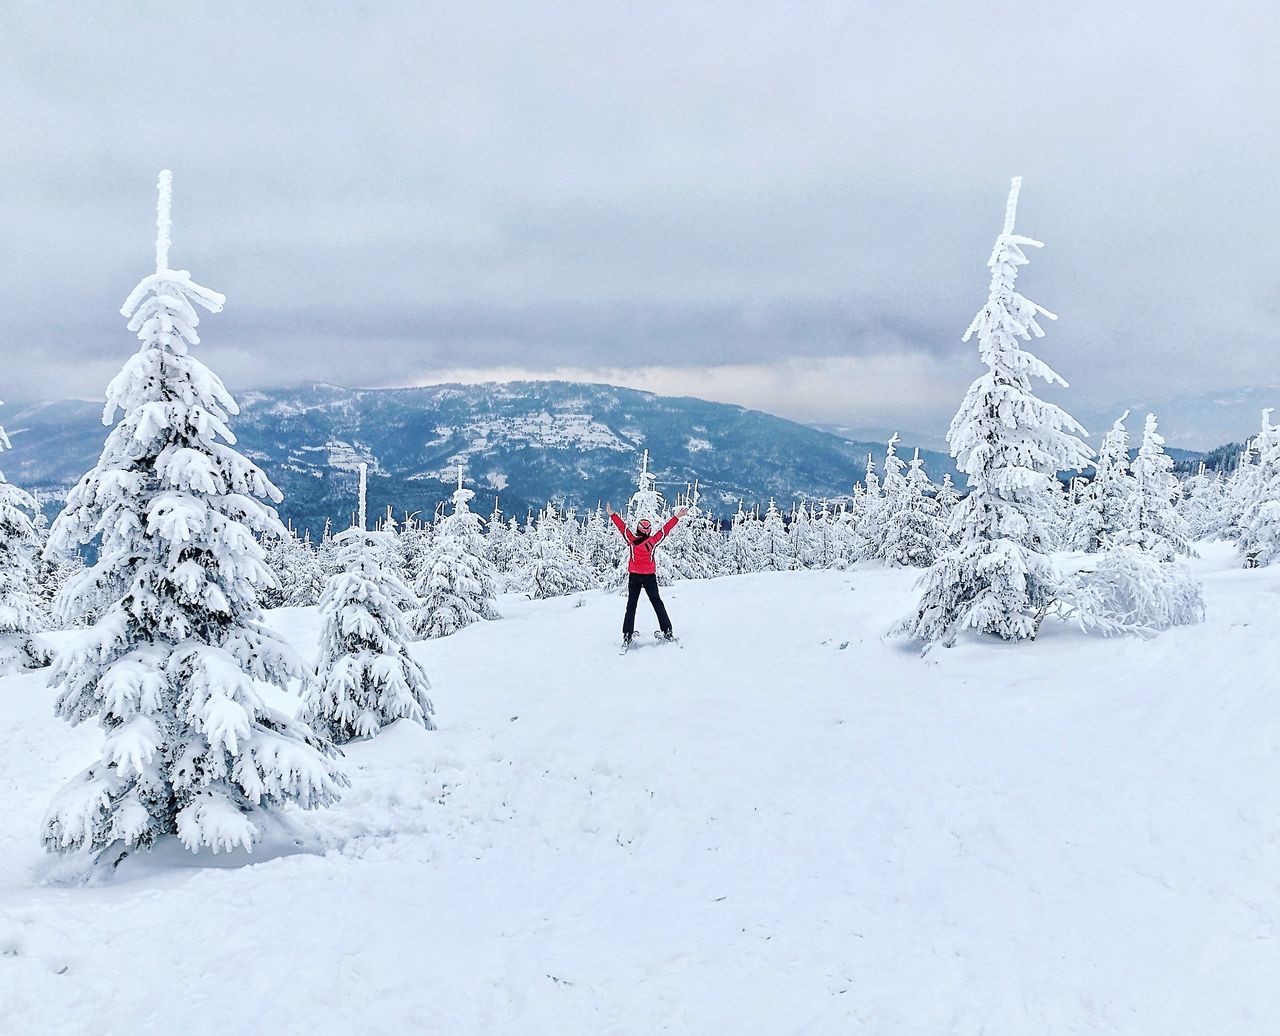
<point>793,826</point>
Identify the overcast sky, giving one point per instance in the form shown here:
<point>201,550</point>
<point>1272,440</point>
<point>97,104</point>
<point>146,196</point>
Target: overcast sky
<point>786,206</point>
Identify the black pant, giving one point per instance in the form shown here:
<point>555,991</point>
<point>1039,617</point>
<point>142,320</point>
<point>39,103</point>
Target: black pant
<point>650,585</point>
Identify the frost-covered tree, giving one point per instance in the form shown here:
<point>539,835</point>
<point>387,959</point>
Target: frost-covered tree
<point>54,569</point>
<point>805,534</point>
<point>502,546</point>
<point>22,614</point>
<point>457,585</point>
<point>845,532</point>
<point>546,566</point>
<point>867,509</point>
<point>365,678</point>
<point>275,557</point>
<point>825,545</point>
<point>773,546</point>
<point>169,667</point>
<point>1240,491</point>
<point>306,575</point>
<point>1106,505</point>
<point>1058,518</point>
<point>1259,500</point>
<point>411,546</point>
<point>741,552</point>
<point>915,533</point>
<point>1136,585</point>
<point>851,516</point>
<point>297,570</point>
<point>1000,578</point>
<point>1202,504</point>
<point>327,550</point>
<point>708,541</point>
<point>947,496</point>
<point>597,546</point>
<point>1157,526</point>
<point>690,547</point>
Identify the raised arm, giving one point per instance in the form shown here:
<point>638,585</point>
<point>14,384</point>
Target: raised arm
<point>619,524</point>
<point>671,524</point>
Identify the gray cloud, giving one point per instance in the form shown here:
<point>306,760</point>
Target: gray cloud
<point>611,188</point>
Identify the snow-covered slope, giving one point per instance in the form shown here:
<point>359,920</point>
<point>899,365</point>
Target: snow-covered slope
<point>787,825</point>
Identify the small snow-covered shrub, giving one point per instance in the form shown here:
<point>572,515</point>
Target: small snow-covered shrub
<point>365,678</point>
<point>1130,591</point>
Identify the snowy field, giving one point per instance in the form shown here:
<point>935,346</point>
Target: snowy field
<point>786,825</point>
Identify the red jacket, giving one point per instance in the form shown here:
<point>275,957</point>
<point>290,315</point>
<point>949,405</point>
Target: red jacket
<point>641,562</point>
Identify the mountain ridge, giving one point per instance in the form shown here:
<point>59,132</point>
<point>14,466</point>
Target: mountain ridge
<point>527,443</point>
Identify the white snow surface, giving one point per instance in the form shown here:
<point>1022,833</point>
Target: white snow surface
<point>785,825</point>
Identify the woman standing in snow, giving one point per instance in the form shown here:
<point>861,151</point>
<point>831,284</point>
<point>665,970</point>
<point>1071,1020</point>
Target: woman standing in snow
<point>643,574</point>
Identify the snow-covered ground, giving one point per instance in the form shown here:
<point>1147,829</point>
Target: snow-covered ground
<point>788,825</point>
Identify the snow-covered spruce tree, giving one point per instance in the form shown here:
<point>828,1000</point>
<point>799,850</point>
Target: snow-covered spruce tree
<point>1106,504</point>
<point>411,547</point>
<point>947,496</point>
<point>598,546</point>
<point>571,532</point>
<point>686,545</point>
<point>805,534</point>
<point>818,545</point>
<point>546,567</point>
<point>773,546</point>
<point>365,678</point>
<point>741,552</point>
<point>850,517</point>
<point>844,535</point>
<point>824,545</point>
<point>22,614</point>
<point>915,533</point>
<point>869,502</point>
<point>1157,526</point>
<point>457,585</point>
<point>1259,510</point>
<point>999,578</point>
<point>275,557</point>
<point>169,666</point>
<point>1058,516</point>
<point>299,576</point>
<point>709,541</point>
<point>308,575</point>
<point>54,569</point>
<point>835,543</point>
<point>327,550</point>
<point>501,545</point>
<point>518,551</point>
<point>1202,504</point>
<point>1243,485</point>
<point>1136,585</point>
